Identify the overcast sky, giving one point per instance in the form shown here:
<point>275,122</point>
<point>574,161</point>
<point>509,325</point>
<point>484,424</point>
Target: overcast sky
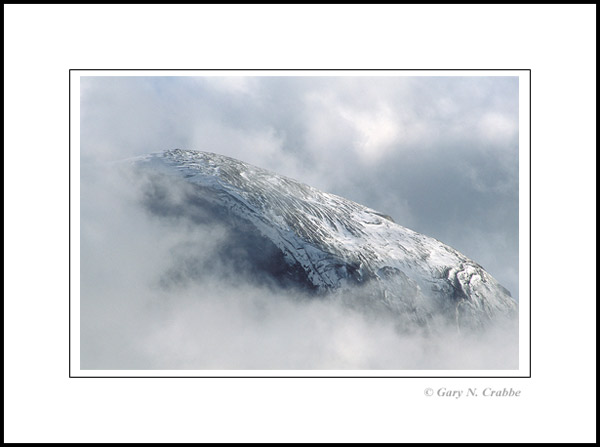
<point>438,154</point>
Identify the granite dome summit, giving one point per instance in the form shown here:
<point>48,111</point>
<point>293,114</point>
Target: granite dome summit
<point>302,237</point>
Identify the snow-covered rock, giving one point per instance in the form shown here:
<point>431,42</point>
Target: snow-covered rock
<point>333,245</point>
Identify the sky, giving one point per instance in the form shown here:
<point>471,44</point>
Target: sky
<point>438,154</point>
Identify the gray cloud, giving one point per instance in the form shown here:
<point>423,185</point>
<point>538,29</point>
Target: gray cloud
<point>439,154</point>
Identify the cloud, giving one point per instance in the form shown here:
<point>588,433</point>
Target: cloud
<point>164,287</point>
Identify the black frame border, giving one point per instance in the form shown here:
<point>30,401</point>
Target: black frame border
<point>301,377</point>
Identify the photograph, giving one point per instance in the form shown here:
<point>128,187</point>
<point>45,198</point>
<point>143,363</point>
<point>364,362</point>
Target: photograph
<point>299,221</point>
<point>361,223</point>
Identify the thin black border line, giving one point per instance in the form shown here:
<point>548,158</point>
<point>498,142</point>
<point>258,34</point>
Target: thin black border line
<point>302,377</point>
<point>268,4</point>
<point>530,300</point>
<point>70,226</point>
<point>299,69</point>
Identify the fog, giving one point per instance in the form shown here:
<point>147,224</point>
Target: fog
<point>172,289</point>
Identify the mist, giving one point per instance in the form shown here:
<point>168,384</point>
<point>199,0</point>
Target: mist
<point>169,286</point>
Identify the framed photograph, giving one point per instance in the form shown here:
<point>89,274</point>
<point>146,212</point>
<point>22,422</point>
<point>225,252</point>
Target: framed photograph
<point>300,223</point>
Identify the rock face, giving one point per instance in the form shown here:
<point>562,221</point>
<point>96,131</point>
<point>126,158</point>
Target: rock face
<point>326,244</point>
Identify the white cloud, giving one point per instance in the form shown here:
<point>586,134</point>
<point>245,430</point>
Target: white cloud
<point>234,85</point>
<point>378,131</point>
<point>499,129</point>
